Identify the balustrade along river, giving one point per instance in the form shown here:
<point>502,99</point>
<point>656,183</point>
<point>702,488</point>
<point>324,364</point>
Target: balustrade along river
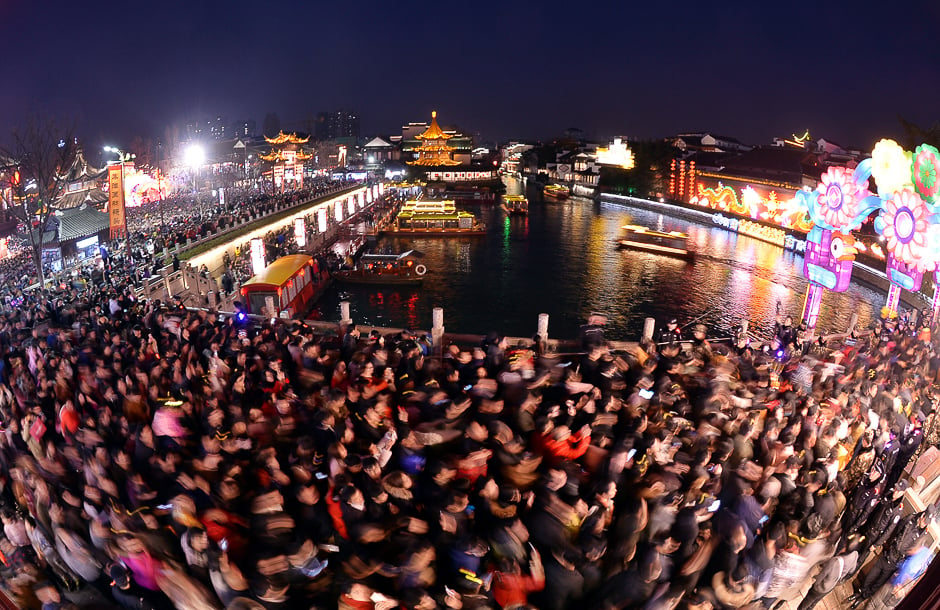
<point>562,260</point>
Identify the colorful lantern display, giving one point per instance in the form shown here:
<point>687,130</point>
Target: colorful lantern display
<point>907,222</point>
<point>840,203</point>
<point>925,170</point>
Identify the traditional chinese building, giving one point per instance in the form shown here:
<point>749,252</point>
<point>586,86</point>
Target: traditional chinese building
<point>288,157</point>
<point>82,185</point>
<point>433,150</point>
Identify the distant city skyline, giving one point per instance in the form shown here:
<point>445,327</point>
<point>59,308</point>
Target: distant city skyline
<point>751,71</point>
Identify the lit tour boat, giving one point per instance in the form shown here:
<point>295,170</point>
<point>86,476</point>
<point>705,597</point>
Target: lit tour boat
<point>434,218</point>
<point>287,287</point>
<point>672,243</point>
<point>385,269</point>
<point>556,191</point>
<point>516,204</point>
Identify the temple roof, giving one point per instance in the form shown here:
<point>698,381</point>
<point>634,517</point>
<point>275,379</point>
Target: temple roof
<point>286,138</point>
<point>92,196</point>
<point>277,155</point>
<point>434,131</point>
<point>81,170</point>
<point>434,161</point>
<point>73,224</point>
<point>82,221</point>
<point>377,142</point>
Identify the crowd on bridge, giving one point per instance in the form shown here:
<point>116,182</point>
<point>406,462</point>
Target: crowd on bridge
<point>283,242</point>
<point>154,457</point>
<point>154,226</point>
<point>190,217</point>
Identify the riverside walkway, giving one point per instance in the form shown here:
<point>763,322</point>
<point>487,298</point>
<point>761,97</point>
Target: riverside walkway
<point>333,213</point>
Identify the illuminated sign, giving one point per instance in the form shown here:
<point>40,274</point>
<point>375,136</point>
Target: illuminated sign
<point>300,232</point>
<point>321,220</point>
<point>257,255</point>
<point>87,242</point>
<point>617,154</point>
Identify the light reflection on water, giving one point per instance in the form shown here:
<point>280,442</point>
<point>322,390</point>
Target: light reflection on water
<point>561,260</point>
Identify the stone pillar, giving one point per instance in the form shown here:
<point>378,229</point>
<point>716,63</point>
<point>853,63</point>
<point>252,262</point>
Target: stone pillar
<point>213,303</point>
<point>345,317</point>
<point>270,310</point>
<point>437,330</point>
<point>649,325</point>
<point>543,327</point>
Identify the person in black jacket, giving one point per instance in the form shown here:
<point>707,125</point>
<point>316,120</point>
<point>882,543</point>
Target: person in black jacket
<point>129,594</point>
<point>908,534</point>
<point>867,495</point>
<point>671,334</point>
<point>885,520</point>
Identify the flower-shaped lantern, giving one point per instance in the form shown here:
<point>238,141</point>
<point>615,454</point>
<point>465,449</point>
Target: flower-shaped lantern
<point>910,242</point>
<point>905,224</point>
<point>839,199</point>
<point>890,167</point>
<point>839,204</point>
<point>925,171</point>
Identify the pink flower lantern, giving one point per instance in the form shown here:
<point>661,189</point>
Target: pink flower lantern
<point>839,198</point>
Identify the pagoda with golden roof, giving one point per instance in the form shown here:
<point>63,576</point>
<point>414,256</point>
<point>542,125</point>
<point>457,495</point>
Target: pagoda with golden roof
<point>288,156</point>
<point>434,150</point>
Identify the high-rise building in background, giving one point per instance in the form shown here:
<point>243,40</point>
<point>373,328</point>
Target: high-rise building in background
<point>337,125</point>
<point>243,129</point>
<point>216,128</point>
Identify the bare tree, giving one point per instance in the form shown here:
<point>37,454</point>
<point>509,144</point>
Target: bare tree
<point>35,178</point>
<point>915,135</point>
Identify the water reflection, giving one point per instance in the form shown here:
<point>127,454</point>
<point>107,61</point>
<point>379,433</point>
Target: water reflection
<point>561,260</point>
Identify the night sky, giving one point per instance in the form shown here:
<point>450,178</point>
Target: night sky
<point>751,70</point>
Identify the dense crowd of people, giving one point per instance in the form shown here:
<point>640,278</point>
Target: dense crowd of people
<point>152,457</point>
<point>154,226</point>
<point>189,217</point>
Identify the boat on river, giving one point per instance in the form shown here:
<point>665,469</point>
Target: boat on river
<point>287,287</point>
<point>515,204</point>
<point>556,191</point>
<point>385,269</point>
<point>673,243</point>
<point>434,218</point>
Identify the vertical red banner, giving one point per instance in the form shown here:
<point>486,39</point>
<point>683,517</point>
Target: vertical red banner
<point>116,199</point>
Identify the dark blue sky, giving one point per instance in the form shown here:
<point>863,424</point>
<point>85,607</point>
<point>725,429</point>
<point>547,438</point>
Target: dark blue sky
<point>750,69</point>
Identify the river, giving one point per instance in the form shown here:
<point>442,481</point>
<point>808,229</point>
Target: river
<point>561,260</point>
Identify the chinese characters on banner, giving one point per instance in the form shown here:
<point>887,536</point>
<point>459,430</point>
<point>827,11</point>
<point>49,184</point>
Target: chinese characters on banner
<point>116,199</point>
<point>258,262</point>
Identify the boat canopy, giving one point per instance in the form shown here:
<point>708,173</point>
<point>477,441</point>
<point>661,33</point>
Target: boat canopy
<point>280,271</point>
<point>391,257</point>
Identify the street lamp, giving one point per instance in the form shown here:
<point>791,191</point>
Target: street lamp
<point>194,157</point>
<point>123,157</point>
